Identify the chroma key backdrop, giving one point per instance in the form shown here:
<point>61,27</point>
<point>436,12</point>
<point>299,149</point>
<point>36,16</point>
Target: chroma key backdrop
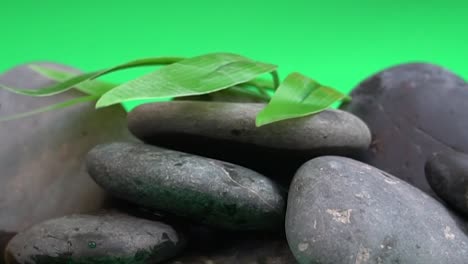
<point>336,42</point>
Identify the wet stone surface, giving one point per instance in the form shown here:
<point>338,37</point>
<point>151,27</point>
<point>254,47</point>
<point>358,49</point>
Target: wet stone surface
<point>447,174</point>
<point>204,190</point>
<point>344,211</point>
<point>43,175</point>
<point>110,238</point>
<point>227,131</point>
<point>413,111</point>
<point>209,187</point>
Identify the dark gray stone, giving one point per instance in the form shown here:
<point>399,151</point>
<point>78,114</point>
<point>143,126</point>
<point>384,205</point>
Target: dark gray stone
<point>205,190</point>
<point>447,173</point>
<point>227,131</point>
<point>111,238</point>
<point>413,111</point>
<point>344,211</point>
<point>41,156</point>
<point>249,251</point>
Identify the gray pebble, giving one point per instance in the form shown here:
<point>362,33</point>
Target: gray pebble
<point>344,211</point>
<point>111,238</point>
<point>40,156</point>
<point>205,190</point>
<point>227,131</point>
<point>447,173</point>
<point>413,111</point>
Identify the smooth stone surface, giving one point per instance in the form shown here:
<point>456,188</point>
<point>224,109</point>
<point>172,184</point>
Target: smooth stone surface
<point>111,238</point>
<point>205,190</point>
<point>227,131</point>
<point>447,173</point>
<point>43,173</point>
<point>251,251</point>
<point>413,111</point>
<point>344,211</point>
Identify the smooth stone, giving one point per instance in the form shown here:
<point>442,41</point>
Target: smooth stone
<point>41,156</point>
<point>207,191</point>
<point>343,211</point>
<point>248,251</point>
<point>108,238</point>
<point>227,131</point>
<point>447,173</point>
<point>413,111</point>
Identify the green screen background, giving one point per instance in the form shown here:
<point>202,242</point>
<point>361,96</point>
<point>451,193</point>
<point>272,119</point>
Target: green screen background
<point>337,43</point>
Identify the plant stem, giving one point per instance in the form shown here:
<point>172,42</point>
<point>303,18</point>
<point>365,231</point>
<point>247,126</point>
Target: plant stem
<point>139,63</point>
<point>276,79</point>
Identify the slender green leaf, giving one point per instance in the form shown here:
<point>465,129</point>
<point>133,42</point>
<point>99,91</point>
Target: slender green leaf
<point>90,87</point>
<point>298,96</point>
<point>193,76</point>
<point>70,83</point>
<point>51,107</point>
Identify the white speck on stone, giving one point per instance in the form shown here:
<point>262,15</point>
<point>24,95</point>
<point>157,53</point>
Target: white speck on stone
<point>334,165</point>
<point>303,246</point>
<point>363,255</point>
<point>315,224</point>
<point>382,246</point>
<point>362,194</point>
<point>342,216</point>
<point>448,233</point>
<point>390,181</point>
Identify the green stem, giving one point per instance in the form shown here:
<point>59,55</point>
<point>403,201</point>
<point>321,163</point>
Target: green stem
<point>276,79</point>
<point>70,83</point>
<point>346,99</point>
<point>138,63</point>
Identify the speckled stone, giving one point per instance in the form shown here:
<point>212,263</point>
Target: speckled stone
<point>227,131</point>
<point>447,174</point>
<point>43,175</point>
<point>413,111</point>
<point>110,238</point>
<point>204,190</point>
<point>341,211</point>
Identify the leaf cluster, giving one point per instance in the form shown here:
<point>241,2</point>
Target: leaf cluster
<point>296,96</point>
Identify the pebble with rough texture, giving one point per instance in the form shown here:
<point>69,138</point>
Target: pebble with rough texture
<point>227,131</point>
<point>341,211</point>
<point>447,174</point>
<point>43,175</point>
<point>110,238</point>
<point>413,111</point>
<point>204,190</point>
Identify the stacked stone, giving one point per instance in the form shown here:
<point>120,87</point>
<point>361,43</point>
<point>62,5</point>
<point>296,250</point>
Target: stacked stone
<point>203,184</point>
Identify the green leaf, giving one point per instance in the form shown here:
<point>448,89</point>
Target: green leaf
<point>51,107</point>
<point>193,76</point>
<point>90,87</point>
<point>69,83</point>
<point>298,96</point>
